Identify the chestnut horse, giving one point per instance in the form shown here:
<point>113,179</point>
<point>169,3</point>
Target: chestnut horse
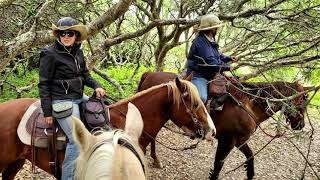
<point>178,101</point>
<point>238,121</point>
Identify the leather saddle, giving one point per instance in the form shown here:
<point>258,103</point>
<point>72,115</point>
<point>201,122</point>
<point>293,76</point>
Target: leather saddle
<point>216,103</point>
<point>33,126</point>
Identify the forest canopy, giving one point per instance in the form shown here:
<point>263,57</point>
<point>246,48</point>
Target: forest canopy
<point>275,39</point>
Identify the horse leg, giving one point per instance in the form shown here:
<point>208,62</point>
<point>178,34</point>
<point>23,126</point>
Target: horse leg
<point>12,169</point>
<point>225,145</point>
<point>249,164</point>
<point>156,161</point>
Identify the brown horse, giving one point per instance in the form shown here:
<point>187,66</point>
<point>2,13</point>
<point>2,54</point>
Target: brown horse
<point>238,121</point>
<point>177,100</point>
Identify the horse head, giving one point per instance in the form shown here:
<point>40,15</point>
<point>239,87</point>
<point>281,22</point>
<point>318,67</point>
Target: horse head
<point>290,98</point>
<point>295,108</point>
<point>111,154</point>
<point>189,112</point>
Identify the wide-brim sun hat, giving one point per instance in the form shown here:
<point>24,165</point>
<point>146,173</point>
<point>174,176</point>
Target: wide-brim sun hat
<point>68,23</point>
<point>208,22</point>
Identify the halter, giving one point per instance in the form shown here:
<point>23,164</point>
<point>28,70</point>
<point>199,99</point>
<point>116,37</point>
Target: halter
<point>194,119</point>
<point>298,102</point>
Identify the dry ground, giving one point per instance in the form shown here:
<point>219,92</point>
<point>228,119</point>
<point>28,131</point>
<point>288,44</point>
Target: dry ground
<point>279,160</point>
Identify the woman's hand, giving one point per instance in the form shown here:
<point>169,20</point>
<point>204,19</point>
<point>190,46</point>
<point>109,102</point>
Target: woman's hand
<point>234,58</point>
<point>100,92</point>
<point>48,120</point>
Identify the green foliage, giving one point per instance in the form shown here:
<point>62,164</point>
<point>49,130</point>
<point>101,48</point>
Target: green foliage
<point>175,59</point>
<point>129,81</point>
<point>122,75</point>
<point>21,79</point>
<point>125,76</point>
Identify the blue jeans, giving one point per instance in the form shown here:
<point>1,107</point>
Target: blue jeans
<point>201,84</point>
<point>72,149</point>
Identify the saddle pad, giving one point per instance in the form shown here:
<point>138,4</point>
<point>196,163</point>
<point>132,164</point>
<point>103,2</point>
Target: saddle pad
<point>24,130</point>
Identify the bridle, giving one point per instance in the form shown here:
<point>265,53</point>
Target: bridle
<point>194,119</point>
<point>122,142</point>
<point>297,102</point>
<point>167,115</point>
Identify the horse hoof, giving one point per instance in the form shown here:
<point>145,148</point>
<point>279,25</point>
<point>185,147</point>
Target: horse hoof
<point>157,164</point>
<point>247,178</point>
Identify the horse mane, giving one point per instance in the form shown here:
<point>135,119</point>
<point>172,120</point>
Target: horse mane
<point>190,89</point>
<point>172,87</point>
<point>94,159</point>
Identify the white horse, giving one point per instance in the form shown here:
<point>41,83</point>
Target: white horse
<point>111,155</point>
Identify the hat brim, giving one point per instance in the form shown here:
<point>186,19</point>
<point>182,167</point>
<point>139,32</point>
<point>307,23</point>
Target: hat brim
<point>80,28</point>
<point>211,27</point>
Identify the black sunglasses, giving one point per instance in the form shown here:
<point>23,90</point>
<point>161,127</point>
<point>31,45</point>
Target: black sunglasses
<point>68,33</point>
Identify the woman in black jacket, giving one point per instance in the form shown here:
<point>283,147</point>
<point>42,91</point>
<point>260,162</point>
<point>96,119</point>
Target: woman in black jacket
<point>63,75</point>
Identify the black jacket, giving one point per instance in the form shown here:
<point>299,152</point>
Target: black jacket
<point>63,75</point>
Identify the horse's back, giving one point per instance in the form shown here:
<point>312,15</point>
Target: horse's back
<point>18,102</point>
<point>14,108</point>
<point>11,113</point>
<point>149,79</point>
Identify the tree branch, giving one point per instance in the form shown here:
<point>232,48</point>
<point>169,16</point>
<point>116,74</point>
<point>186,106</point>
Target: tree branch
<point>99,52</point>
<point>109,16</point>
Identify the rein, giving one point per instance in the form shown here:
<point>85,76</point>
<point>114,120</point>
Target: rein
<point>239,103</point>
<point>195,120</point>
<point>296,100</point>
<point>129,146</point>
<point>193,146</point>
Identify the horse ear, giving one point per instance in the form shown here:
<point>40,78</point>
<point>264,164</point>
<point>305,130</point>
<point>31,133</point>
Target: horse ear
<point>134,122</point>
<point>189,77</point>
<point>178,83</point>
<point>81,135</point>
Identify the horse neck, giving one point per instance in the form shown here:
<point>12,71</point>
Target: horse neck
<point>262,108</point>
<point>124,159</point>
<point>154,106</point>
<point>99,164</point>
<point>106,157</point>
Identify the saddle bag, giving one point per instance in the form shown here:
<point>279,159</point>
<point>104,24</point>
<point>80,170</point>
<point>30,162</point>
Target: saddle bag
<point>93,113</point>
<point>62,109</point>
<point>217,85</point>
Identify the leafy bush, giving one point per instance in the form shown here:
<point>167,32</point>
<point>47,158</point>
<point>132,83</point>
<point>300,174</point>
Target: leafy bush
<point>123,75</point>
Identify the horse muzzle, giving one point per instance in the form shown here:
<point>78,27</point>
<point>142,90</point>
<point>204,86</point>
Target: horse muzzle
<point>298,126</point>
<point>210,135</point>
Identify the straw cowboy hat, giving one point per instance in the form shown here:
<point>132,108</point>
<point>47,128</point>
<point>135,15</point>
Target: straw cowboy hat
<point>208,22</point>
<point>68,23</point>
